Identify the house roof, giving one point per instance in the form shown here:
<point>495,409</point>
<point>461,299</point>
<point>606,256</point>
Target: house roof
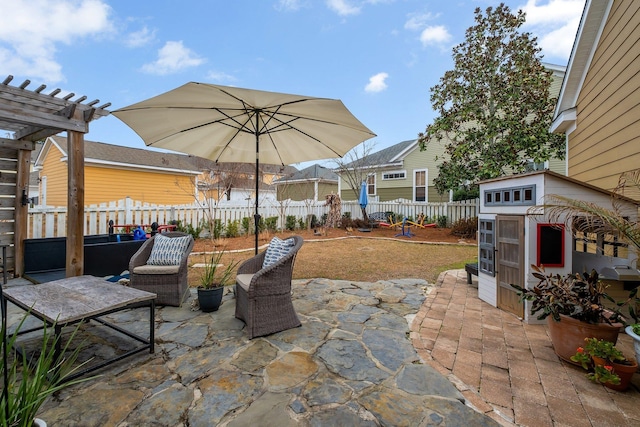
<point>312,173</point>
<point>594,18</point>
<point>138,158</point>
<point>387,156</point>
<point>120,156</point>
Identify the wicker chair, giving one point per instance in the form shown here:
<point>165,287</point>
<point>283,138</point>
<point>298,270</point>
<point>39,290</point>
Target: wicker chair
<point>169,282</point>
<point>263,296</point>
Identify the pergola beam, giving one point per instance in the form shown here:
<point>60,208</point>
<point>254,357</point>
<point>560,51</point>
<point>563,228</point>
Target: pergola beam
<point>31,116</point>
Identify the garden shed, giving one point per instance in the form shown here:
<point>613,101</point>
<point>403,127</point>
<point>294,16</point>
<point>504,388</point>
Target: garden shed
<point>515,232</point>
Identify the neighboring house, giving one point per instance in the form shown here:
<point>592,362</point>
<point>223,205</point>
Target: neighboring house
<point>236,181</point>
<point>311,183</point>
<point>113,172</point>
<point>599,104</point>
<point>402,171</point>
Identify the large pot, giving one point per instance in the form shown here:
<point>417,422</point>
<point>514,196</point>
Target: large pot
<point>210,299</point>
<point>568,334</point>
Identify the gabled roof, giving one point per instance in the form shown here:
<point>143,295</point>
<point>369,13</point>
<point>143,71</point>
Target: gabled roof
<point>594,18</point>
<point>388,156</point>
<point>125,157</point>
<point>312,173</point>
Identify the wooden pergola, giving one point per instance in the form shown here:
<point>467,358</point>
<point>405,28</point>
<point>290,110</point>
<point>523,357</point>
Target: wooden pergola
<point>29,116</point>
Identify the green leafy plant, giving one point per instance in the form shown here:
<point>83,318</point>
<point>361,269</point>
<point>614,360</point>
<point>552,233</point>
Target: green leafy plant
<point>578,296</point>
<point>271,224</point>
<point>232,228</point>
<point>597,348</point>
<point>603,372</point>
<point>32,380</point>
<point>214,274</point>
<point>290,222</point>
<point>246,225</point>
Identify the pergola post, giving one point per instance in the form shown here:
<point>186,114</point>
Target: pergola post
<point>21,210</point>
<point>75,205</point>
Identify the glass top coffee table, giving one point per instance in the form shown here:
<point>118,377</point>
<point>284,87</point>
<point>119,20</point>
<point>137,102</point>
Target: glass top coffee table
<point>67,301</point>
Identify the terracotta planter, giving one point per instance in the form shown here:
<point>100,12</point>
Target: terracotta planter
<point>625,372</point>
<point>569,334</point>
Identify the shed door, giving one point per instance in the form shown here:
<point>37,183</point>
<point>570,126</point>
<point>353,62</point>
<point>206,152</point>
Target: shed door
<point>510,260</point>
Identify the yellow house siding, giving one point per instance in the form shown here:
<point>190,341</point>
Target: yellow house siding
<point>55,172</point>
<point>107,184</point>
<point>606,140</point>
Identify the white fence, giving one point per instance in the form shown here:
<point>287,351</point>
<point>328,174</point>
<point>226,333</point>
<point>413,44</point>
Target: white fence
<point>46,221</point>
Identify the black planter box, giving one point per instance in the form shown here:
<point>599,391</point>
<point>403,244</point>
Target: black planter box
<point>45,259</point>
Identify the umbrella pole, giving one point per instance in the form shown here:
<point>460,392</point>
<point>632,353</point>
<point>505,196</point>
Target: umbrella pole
<point>256,216</point>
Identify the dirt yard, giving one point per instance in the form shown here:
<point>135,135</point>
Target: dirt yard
<point>356,255</point>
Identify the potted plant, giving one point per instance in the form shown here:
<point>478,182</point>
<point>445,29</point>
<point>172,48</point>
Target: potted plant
<point>213,279</point>
<point>573,305</point>
<point>606,363</point>
<point>28,382</point>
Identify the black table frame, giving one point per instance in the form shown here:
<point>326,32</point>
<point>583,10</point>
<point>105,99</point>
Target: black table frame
<point>147,343</point>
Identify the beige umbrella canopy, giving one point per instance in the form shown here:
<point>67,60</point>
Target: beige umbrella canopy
<point>229,124</point>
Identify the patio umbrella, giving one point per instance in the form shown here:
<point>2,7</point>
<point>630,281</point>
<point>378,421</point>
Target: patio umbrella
<point>229,124</point>
<point>363,200</point>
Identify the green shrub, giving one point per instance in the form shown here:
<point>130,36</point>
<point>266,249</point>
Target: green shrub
<point>301,224</point>
<point>189,229</point>
<point>247,225</point>
<point>290,222</point>
<point>465,228</point>
<point>218,228</point>
<point>442,221</point>
<point>233,228</point>
<point>271,223</point>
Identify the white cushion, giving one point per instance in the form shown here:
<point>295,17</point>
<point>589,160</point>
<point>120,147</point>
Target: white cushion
<point>276,250</point>
<point>168,250</point>
<point>156,269</point>
<point>244,280</point>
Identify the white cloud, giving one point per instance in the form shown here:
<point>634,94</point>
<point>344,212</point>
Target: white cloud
<point>555,23</point>
<point>418,21</point>
<point>30,30</point>
<point>220,77</point>
<point>288,5</point>
<point>172,57</point>
<point>437,34</point>
<point>140,38</point>
<point>377,83</point>
<point>342,7</point>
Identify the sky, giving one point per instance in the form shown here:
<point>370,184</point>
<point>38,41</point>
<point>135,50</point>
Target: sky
<point>380,57</point>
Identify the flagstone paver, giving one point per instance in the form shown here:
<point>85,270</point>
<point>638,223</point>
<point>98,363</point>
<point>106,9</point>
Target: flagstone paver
<point>351,363</point>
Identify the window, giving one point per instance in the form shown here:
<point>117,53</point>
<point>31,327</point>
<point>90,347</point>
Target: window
<point>551,245</point>
<point>394,175</point>
<point>371,185</point>
<point>510,196</point>
<point>420,186</point>
<point>487,246</point>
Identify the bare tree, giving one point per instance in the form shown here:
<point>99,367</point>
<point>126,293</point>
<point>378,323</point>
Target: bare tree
<point>356,166</point>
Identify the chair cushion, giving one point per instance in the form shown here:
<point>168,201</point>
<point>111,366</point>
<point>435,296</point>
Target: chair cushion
<point>168,250</point>
<point>156,269</point>
<point>276,250</point>
<point>244,280</point>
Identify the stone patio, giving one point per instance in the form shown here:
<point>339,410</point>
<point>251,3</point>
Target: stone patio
<point>351,363</point>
